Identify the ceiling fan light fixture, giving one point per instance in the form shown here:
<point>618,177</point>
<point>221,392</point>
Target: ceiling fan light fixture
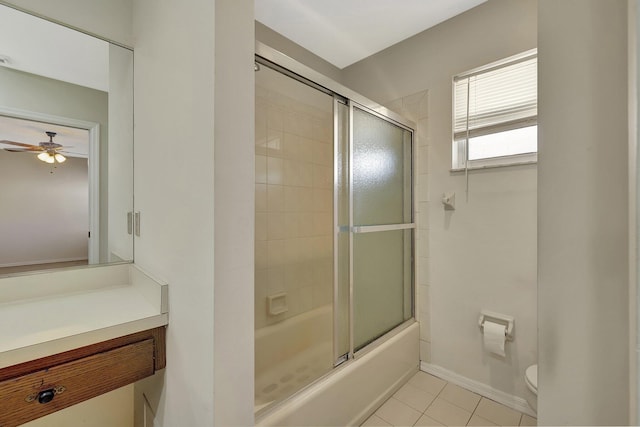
<point>44,157</point>
<point>50,159</point>
<point>60,158</point>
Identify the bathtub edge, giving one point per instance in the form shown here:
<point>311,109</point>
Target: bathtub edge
<point>353,392</point>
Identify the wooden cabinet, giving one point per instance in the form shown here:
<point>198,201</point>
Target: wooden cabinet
<point>36,388</point>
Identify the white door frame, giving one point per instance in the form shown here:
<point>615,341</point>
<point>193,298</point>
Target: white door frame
<point>94,167</point>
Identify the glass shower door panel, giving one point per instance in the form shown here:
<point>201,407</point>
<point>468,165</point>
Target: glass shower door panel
<point>294,234</point>
<point>382,226</point>
<point>382,277</point>
<point>381,171</point>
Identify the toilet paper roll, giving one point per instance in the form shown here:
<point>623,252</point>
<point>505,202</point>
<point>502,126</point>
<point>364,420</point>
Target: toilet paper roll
<point>494,337</point>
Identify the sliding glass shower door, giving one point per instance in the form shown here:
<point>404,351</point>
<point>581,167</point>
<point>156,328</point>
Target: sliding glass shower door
<point>293,236</point>
<point>382,225</point>
<point>333,230</point>
<point>374,227</point>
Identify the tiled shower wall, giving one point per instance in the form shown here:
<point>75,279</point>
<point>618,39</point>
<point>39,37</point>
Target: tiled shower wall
<point>415,107</point>
<point>294,202</point>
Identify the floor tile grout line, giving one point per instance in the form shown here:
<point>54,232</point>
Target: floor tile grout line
<point>431,403</point>
<point>380,416</point>
<point>436,398</point>
<point>458,406</point>
<point>389,422</point>
<point>442,389</point>
<point>438,395</point>
<point>474,410</point>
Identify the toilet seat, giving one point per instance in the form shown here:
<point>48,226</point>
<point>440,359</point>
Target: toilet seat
<point>531,378</point>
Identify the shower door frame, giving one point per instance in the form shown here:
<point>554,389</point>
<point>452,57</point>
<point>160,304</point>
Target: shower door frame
<point>284,64</point>
<point>358,229</point>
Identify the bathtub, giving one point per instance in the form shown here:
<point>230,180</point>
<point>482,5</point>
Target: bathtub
<point>292,354</point>
<point>347,395</point>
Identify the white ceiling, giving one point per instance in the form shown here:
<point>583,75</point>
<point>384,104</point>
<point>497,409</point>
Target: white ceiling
<point>40,47</point>
<point>340,31</point>
<point>345,31</point>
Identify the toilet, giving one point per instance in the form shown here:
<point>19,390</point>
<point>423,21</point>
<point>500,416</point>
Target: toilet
<point>531,379</point>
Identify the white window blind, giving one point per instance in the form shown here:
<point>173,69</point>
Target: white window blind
<point>498,98</point>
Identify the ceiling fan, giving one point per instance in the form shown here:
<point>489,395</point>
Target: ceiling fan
<point>49,150</point>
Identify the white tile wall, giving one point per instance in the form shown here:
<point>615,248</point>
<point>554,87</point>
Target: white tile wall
<point>294,204</point>
<point>416,108</point>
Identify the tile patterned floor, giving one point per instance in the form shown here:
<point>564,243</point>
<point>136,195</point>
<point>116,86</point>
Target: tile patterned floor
<point>430,401</point>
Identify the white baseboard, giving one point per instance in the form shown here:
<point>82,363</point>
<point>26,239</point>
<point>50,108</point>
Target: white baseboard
<point>513,402</point>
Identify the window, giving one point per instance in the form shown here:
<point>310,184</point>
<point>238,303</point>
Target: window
<point>495,114</point>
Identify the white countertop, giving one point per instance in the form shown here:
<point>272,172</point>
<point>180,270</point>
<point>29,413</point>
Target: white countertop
<point>76,308</point>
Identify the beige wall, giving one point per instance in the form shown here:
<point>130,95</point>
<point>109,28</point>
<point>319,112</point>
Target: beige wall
<point>45,211</point>
<point>30,92</point>
<point>277,41</point>
<point>234,211</point>
<point>483,254</point>
<point>451,47</point>
<point>582,214</point>
<point>194,151</point>
<point>174,152</point>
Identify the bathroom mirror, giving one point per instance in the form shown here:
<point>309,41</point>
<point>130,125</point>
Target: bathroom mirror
<point>66,146</point>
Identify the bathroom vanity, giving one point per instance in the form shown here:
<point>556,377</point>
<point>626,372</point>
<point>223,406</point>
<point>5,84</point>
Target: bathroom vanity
<point>69,334</point>
<point>95,330</point>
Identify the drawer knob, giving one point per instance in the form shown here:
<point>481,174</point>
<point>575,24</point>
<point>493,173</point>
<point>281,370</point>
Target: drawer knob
<point>46,396</point>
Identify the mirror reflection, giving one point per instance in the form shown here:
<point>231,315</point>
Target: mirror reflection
<point>66,146</point>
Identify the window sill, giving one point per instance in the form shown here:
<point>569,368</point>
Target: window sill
<point>499,162</point>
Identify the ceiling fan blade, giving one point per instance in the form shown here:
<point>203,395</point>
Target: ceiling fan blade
<point>16,150</point>
<point>29,150</point>
<point>19,144</point>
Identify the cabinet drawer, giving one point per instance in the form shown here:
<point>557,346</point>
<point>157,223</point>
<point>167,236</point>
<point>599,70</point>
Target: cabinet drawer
<point>73,382</point>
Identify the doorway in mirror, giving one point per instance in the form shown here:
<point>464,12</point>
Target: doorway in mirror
<point>46,221</point>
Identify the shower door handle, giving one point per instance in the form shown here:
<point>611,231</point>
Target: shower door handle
<point>376,228</point>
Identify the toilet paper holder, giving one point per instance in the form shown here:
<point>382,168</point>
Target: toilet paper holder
<point>503,319</point>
